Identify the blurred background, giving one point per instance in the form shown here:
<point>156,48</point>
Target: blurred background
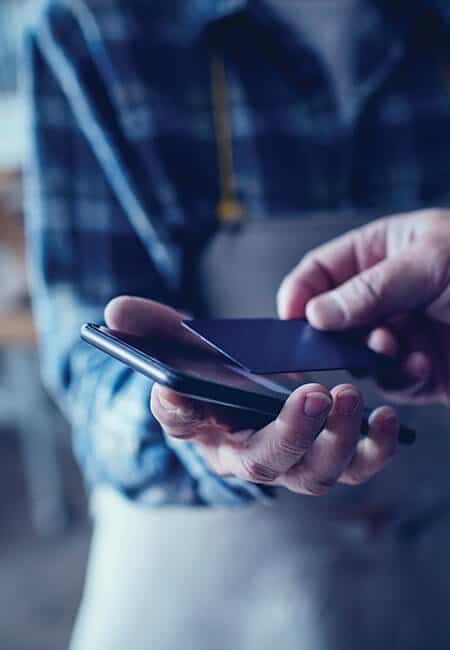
<point>44,530</point>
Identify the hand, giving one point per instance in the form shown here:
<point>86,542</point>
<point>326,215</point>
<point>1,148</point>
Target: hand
<point>310,446</point>
<point>392,276</point>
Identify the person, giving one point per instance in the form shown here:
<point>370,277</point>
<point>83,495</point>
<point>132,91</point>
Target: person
<point>310,120</point>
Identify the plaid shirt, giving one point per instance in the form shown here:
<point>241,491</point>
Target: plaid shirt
<point>123,180</point>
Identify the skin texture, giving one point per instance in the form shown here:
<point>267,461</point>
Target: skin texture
<point>393,277</point>
<point>313,443</point>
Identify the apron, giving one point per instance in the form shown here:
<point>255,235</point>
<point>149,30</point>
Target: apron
<point>303,573</point>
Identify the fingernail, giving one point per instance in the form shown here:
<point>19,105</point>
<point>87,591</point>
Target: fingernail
<point>347,402</point>
<point>325,312</point>
<point>174,409</point>
<point>316,404</point>
<point>391,422</point>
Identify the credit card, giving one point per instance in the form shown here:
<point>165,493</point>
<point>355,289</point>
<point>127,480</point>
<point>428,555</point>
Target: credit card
<point>269,345</point>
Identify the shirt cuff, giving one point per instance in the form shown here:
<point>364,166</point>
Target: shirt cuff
<point>122,444</point>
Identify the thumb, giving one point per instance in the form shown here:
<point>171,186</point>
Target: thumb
<point>143,317</point>
<point>401,283</point>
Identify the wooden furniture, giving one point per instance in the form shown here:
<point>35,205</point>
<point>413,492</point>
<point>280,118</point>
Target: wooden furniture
<point>17,328</point>
<point>24,402</point>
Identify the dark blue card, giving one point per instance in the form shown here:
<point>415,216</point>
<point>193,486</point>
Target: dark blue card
<point>266,346</point>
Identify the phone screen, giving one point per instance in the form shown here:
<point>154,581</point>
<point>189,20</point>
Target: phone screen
<point>199,362</point>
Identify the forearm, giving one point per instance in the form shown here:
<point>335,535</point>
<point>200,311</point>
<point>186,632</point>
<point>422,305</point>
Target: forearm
<point>83,251</point>
<point>117,441</point>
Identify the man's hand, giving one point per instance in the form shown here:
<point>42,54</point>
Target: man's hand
<point>392,276</point>
<point>313,443</point>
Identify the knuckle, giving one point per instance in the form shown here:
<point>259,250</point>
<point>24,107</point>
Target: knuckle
<point>172,420</point>
<point>316,487</point>
<point>309,265</point>
<point>292,448</point>
<point>384,454</point>
<point>367,286</point>
<point>440,269</point>
<point>257,472</point>
<point>175,430</point>
<point>356,476</point>
<point>343,448</point>
<point>173,425</point>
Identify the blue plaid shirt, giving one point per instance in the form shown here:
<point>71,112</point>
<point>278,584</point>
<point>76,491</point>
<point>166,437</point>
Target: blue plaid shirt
<point>123,180</point>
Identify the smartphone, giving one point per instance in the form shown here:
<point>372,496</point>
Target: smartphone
<point>202,373</point>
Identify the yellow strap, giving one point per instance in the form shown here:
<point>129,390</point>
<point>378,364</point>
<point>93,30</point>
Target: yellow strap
<point>229,209</point>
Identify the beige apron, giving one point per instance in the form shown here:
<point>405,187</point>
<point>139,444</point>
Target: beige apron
<point>306,573</point>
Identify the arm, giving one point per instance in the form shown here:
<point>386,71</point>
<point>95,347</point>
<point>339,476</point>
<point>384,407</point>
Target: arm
<point>82,252</point>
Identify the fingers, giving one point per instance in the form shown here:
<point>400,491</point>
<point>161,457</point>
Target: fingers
<point>413,383</point>
<point>271,451</point>
<point>143,317</point>
<point>333,449</point>
<point>330,265</point>
<point>398,284</point>
<point>309,279</point>
<point>371,273</point>
<point>376,450</point>
<point>383,341</point>
<point>414,380</point>
<point>313,444</point>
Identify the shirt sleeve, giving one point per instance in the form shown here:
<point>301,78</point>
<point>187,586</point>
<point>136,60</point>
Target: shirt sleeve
<point>83,251</point>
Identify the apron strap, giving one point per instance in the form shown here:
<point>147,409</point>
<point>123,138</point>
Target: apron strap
<point>229,210</point>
